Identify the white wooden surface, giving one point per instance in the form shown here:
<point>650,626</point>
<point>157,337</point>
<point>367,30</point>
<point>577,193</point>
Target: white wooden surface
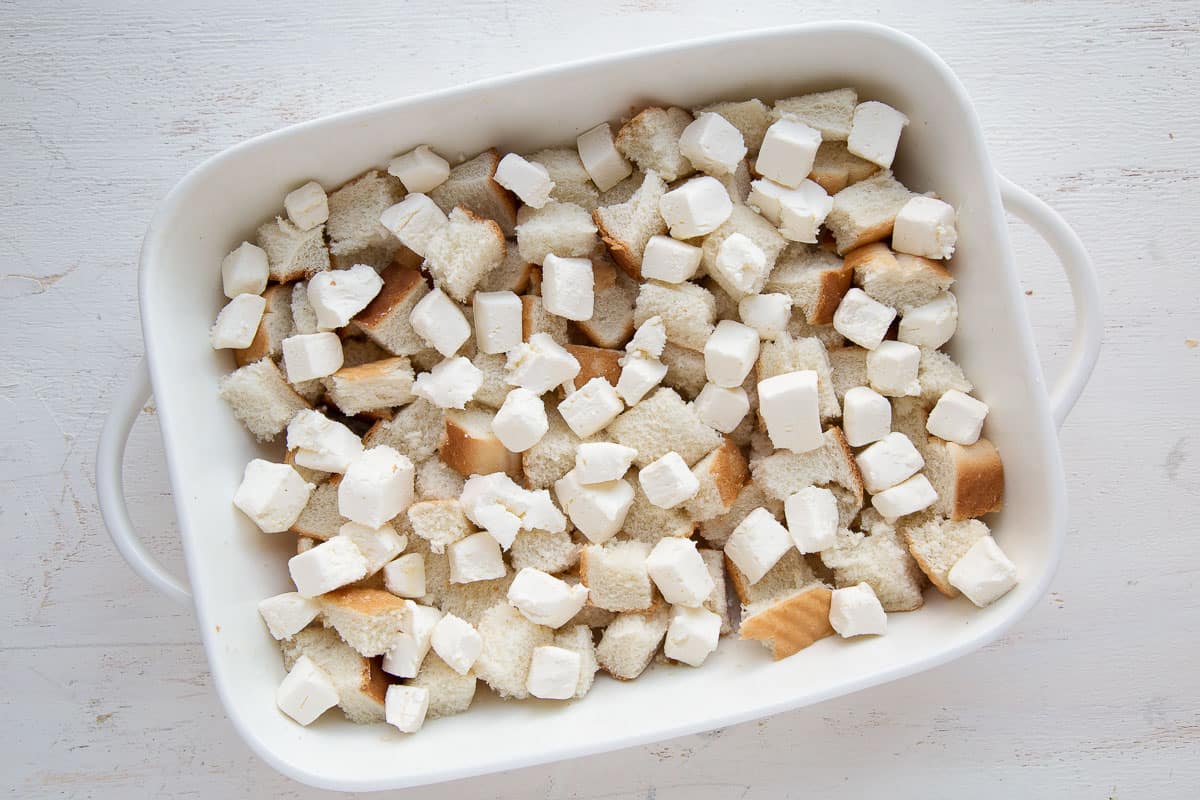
<point>1091,105</point>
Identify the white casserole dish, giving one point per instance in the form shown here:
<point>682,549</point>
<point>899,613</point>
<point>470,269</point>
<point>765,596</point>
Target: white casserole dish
<point>231,565</point>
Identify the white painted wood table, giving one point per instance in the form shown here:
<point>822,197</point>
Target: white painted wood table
<point>1091,105</point>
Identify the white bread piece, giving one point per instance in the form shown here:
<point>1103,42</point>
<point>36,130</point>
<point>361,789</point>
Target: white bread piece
<point>623,191</point>
<point>751,117</point>
<point>469,601</point>
<point>578,639</point>
<point>276,325</point>
<point>595,362</point>
<point>936,544</point>
<point>354,211</point>
<point>799,328</point>
<point>439,522</point>
<point>625,227</point>
<point>381,384</point>
<point>437,567</point>
<point>261,398</point>
<point>786,354</point>
<point>814,278</point>
<point>552,553</point>
<point>616,576</point>
<point>909,416</point>
<point>784,473</point>
<point>415,431</point>
<point>386,319</point>
<point>366,619</point>
<point>835,167</point>
<point>685,370</point>
<point>293,254</point>
<point>470,447</point>
<point>721,475</point>
<point>879,557</point>
<point>648,523</point>
<point>749,223</point>
<point>897,279</point>
<point>611,323</point>
<point>716,531</point>
<point>509,640</point>
<point>361,684</point>
<point>866,212</point>
<point>437,481</point>
<point>536,319</point>
<point>495,386</point>
<point>462,251</point>
<point>661,423</point>
<point>359,351</point>
<point>553,456</point>
<point>787,625</point>
<point>564,229</point>
<point>512,275</point>
<point>718,601</point>
<point>938,374</point>
<point>829,112</point>
<point>651,141</point>
<point>321,519</point>
<point>737,183</point>
<point>304,316</point>
<point>572,183</point>
<point>848,365</point>
<point>449,692</point>
<point>969,481</point>
<point>472,185</point>
<point>630,642</point>
<point>790,573</point>
<point>688,311</point>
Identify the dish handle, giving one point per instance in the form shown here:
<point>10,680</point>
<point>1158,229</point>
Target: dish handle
<point>110,487</point>
<point>1085,290</point>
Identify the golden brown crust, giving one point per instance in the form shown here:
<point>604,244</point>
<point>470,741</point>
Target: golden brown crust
<point>502,195</point>
<point>834,285</point>
<point>398,282</point>
<point>789,626</point>
<point>604,275</point>
<point>497,231</point>
<point>370,602</point>
<point>930,573</point>
<point>595,362</point>
<point>468,454</point>
<point>618,249</point>
<point>847,454</point>
<point>740,588</point>
<point>375,681</point>
<point>372,369</point>
<point>260,347</point>
<point>866,236</point>
<point>979,479</point>
<point>730,471</point>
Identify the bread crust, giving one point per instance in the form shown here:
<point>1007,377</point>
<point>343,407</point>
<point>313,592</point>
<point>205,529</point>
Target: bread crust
<point>595,362</point>
<point>398,282</point>
<point>857,486</point>
<point>792,624</point>
<point>833,287</point>
<point>468,454</point>
<point>875,233</point>
<point>979,479</point>
<point>618,248</point>
<point>362,600</point>
<point>730,471</point>
<point>930,573</point>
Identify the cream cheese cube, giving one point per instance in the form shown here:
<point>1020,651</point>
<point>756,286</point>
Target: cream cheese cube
<point>245,270</point>
<point>378,545</point>
<point>591,408</point>
<point>696,208</point>
<point>311,355</point>
<point>420,170</point>
<point>957,418</point>
<point>984,574</point>
<point>789,406</point>
<point>600,157</point>
<point>862,319</point>
<point>376,487</point>
<point>692,635</point>
<point>521,421</point>
<point>932,324</point>
<point>307,207</point>
<point>740,266</point>
<point>237,323</point>
<point>598,510</point>
<point>856,611</point>
<point>568,287</point>
<point>405,707</point>
<point>405,577</point>
<point>875,132</point>
<point>441,323</point>
<point>327,566</point>
<point>768,314</point>
<point>287,614</point>
<point>320,443</point>
<point>757,544</point>
<point>600,462</point>
<point>306,692</point>
<point>410,647</point>
<point>456,642</point>
<point>712,144</point>
<point>788,151</point>
<point>272,495</point>
<point>497,321</point>
<point>866,416</point>
<point>553,673</point>
<point>528,180</point>
<point>679,572</point>
<point>802,212</point>
<point>415,220</point>
<point>730,353</point>
<point>639,374</point>
<point>925,227</point>
<point>450,384</point>
<point>476,558</point>
<point>670,260</point>
<point>544,599</point>
<point>893,368</point>
<point>336,295</point>
<point>668,481</point>
<point>812,519</point>
<point>540,364</point>
<point>720,408</point>
<point>888,462</point>
<point>908,497</point>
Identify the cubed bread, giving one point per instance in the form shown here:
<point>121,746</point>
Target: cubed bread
<point>815,279</point>
<point>509,640</point>
<point>625,227</point>
<point>716,531</point>
<point>623,191</point>
<point>469,601</point>
<point>897,279</point>
<point>378,385</point>
<point>495,386</point>
<point>386,319</point>
<point>936,544</point>
<point>645,522</point>
<point>439,522</point>
<point>783,473</point>
<point>463,251</point>
<point>786,354</point>
<point>787,625</point>
<point>630,642</point>
<point>969,481</point>
<point>938,373</point>
<point>472,185</point>
<point>829,112</point>
<point>512,275</point>
<point>721,474</point>
<point>651,140</point>
<point>848,366</point>
<point>578,639</point>
<point>449,692</point>
<point>616,577</point>
<point>293,254</point>
<point>470,446</point>
<point>367,619</point>
<point>611,324</point>
<point>277,323</point>
<point>749,223</point>
<point>879,557</point>
<point>750,117</point>
<point>595,362</point>
<point>661,423</point>
<point>437,481</point>
<point>415,431</point>
<point>261,398</point>
<point>572,184</point>
<point>835,167</point>
<point>866,212</point>
<point>718,601</point>
<point>789,574</point>
<point>688,311</point>
<point>536,319</point>
<point>360,683</point>
<point>321,519</point>
<point>357,351</point>
<point>685,370</point>
<point>552,553</point>
<point>564,229</point>
<point>799,328</point>
<point>354,209</point>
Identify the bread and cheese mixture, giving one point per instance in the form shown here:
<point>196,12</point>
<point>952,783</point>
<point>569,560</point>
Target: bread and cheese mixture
<point>536,414</point>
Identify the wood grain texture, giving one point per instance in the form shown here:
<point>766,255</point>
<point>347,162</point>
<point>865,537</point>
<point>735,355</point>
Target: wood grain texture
<point>1090,104</point>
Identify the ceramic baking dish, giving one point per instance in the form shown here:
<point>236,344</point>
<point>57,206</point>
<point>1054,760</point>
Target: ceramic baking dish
<point>231,565</point>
